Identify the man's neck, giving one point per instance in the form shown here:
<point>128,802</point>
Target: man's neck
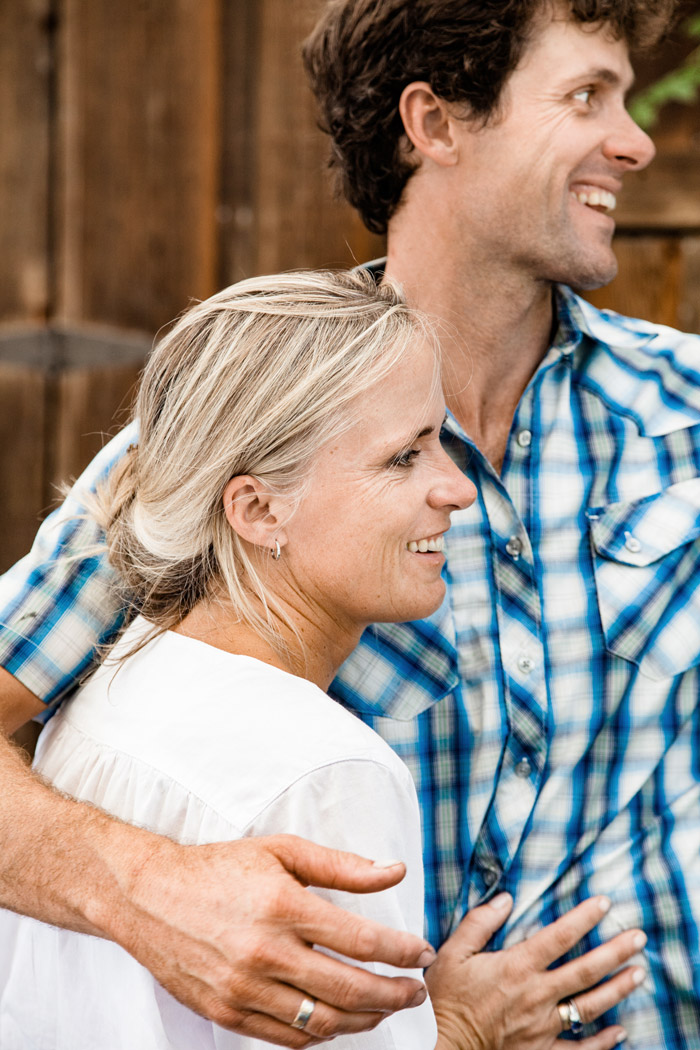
<point>494,329</point>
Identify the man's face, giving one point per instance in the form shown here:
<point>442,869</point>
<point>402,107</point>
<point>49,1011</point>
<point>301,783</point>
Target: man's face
<point>538,183</point>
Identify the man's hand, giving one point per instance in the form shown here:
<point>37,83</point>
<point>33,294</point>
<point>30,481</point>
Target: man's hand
<point>229,928</point>
<point>507,1000</point>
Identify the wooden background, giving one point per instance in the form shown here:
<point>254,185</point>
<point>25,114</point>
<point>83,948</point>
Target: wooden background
<point>152,151</point>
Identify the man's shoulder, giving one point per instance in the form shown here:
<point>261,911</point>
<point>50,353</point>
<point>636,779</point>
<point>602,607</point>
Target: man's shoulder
<point>643,370</point>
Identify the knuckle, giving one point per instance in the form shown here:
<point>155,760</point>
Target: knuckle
<point>327,1026</point>
<point>587,973</point>
<point>277,900</point>
<point>345,990</point>
<point>224,1015</point>
<point>259,954</point>
<point>365,942</point>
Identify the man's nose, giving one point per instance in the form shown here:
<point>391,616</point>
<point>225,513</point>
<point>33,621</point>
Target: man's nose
<point>629,145</point>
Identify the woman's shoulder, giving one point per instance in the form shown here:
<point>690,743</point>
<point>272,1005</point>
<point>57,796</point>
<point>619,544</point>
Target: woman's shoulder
<point>233,731</point>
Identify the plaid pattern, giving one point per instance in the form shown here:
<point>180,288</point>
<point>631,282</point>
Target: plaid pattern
<point>566,762</point>
<point>548,711</point>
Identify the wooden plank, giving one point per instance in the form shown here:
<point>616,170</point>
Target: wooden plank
<point>59,394</point>
<point>664,197</point>
<point>24,158</point>
<point>22,437</point>
<point>138,159</point>
<point>95,372</point>
<point>298,223</point>
<point>90,404</point>
<point>648,281</point>
<point>689,304</point>
<point>236,213</point>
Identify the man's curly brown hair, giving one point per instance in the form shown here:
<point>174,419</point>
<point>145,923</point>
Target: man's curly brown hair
<point>363,53</point>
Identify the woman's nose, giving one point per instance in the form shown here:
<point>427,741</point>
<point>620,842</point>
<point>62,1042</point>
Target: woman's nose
<point>453,489</point>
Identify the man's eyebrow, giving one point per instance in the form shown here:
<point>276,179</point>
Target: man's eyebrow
<point>600,74</point>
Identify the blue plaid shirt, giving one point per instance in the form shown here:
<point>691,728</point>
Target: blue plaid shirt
<point>548,711</point>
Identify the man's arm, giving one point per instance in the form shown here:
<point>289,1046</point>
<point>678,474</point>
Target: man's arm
<point>227,928</point>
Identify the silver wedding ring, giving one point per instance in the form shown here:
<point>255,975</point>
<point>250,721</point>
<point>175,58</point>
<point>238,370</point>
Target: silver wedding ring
<point>571,1020</point>
<point>304,1013</point>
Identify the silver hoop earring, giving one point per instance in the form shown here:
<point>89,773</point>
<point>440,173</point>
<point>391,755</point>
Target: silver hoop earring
<point>276,550</point>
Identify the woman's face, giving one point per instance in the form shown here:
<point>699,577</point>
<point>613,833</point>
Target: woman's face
<point>364,544</point>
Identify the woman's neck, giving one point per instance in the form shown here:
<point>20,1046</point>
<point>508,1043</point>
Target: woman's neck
<point>307,650</point>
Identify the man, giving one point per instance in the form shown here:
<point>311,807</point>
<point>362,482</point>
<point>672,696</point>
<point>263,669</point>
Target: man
<point>565,758</point>
<point>541,749</point>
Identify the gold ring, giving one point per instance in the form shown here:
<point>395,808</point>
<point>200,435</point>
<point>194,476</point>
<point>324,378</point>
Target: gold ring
<point>571,1020</point>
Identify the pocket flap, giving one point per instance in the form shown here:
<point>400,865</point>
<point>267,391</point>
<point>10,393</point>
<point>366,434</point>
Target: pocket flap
<point>641,532</point>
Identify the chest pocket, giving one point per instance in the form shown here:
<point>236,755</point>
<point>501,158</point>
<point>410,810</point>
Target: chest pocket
<point>646,558</point>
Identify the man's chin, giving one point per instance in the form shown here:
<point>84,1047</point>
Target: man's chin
<point>597,274</point>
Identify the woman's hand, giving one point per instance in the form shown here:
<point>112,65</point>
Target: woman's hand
<point>507,1000</point>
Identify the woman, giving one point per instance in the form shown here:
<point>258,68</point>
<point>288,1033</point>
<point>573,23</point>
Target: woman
<point>287,491</point>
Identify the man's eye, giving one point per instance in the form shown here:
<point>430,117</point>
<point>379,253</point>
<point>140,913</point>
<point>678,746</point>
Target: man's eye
<point>405,459</point>
<point>584,95</point>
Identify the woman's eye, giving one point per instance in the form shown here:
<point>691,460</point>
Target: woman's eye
<point>405,459</point>
<point>584,95</point>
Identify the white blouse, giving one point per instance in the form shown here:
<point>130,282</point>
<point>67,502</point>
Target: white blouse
<point>205,746</point>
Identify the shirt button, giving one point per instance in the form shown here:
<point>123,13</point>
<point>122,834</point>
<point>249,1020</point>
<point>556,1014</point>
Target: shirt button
<point>514,546</point>
<point>491,876</point>
<point>523,768</point>
<point>524,438</point>
<point>526,664</point>
<point>632,544</point>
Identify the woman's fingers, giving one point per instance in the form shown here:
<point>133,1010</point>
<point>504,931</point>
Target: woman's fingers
<point>605,1040</point>
<point>478,927</point>
<point>555,940</point>
<point>594,1003</point>
<point>589,969</point>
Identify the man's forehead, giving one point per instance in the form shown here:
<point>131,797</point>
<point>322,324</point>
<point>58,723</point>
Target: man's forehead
<point>562,47</point>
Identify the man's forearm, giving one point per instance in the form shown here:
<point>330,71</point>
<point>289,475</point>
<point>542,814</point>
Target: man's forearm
<point>64,862</point>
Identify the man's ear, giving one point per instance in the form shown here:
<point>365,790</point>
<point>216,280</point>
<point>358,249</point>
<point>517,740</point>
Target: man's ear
<point>429,123</point>
<point>253,512</point>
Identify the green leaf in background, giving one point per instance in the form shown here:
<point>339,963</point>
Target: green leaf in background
<point>680,85</point>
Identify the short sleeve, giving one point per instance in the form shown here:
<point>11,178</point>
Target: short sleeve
<point>369,808</point>
<point>59,602</point>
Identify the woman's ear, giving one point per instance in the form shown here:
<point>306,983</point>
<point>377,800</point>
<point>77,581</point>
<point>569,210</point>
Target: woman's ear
<point>428,123</point>
<point>253,512</point>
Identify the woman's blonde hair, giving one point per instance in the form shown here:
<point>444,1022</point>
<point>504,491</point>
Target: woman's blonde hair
<point>255,380</point>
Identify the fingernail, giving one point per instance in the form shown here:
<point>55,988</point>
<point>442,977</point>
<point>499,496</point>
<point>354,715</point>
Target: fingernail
<point>638,975</point>
<point>604,904</point>
<point>386,863</point>
<point>500,902</point>
<point>419,997</point>
<point>639,940</point>
<point>427,957</point>
<point>621,1037</point>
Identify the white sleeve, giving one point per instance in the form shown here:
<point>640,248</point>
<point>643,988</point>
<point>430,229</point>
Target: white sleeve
<point>365,807</point>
